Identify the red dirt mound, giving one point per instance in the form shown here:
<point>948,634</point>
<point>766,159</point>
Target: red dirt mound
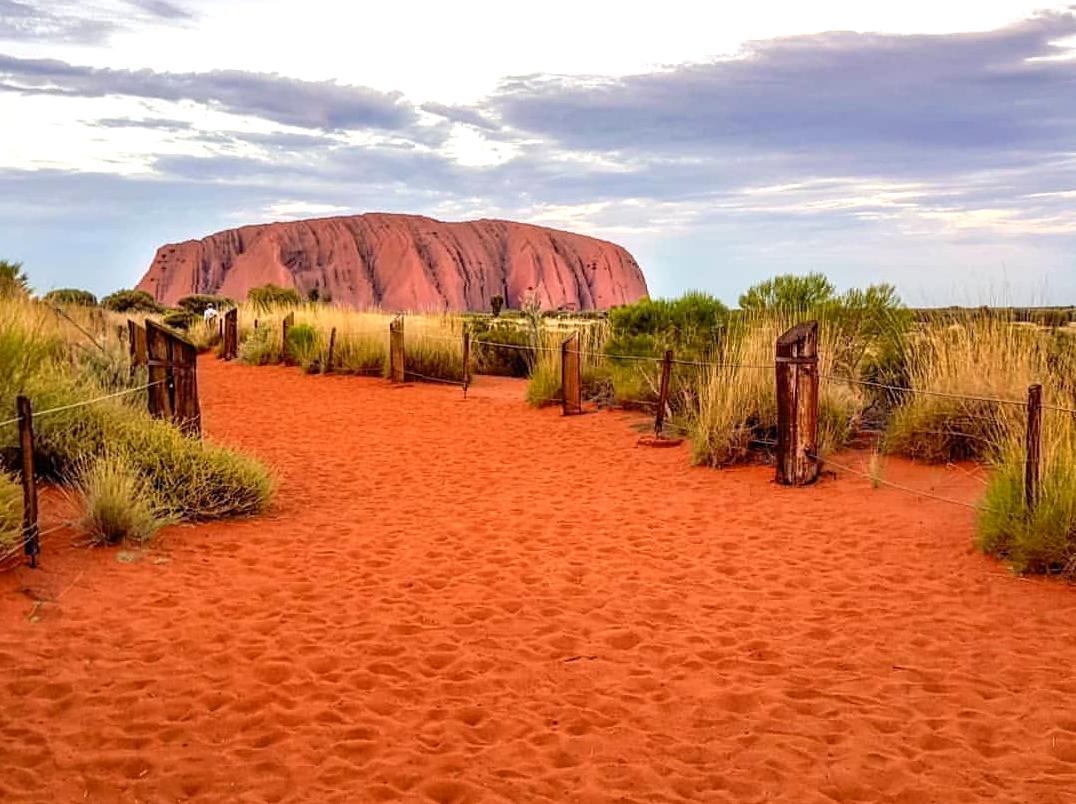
<point>468,600</point>
<point>402,262</point>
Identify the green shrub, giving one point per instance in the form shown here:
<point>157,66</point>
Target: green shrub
<point>1043,540</point>
<point>268,296</point>
<point>118,505</point>
<point>132,301</point>
<point>72,296</point>
<point>10,512</point>
<point>261,347</point>
<point>178,319</point>
<point>13,280</point>
<point>304,345</point>
<point>690,325</point>
<point>197,304</point>
<point>543,388</point>
<point>501,361</point>
<point>788,293</point>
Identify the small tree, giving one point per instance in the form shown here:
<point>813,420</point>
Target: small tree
<point>271,295</point>
<point>495,304</point>
<point>131,301</point>
<point>198,303</point>
<point>788,292</point>
<point>13,280</point>
<point>313,295</point>
<point>73,296</point>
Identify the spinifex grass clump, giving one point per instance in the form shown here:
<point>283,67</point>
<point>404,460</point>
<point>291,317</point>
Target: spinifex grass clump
<point>10,512</point>
<point>962,366</point>
<point>1042,538</point>
<point>303,346</point>
<point>61,362</point>
<point>117,503</point>
<point>734,410</point>
<point>544,385</point>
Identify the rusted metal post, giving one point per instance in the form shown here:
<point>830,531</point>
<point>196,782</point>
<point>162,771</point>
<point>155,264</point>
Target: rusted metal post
<point>396,349</point>
<point>31,543</point>
<point>571,376</point>
<point>1034,446</point>
<point>663,392</point>
<point>332,350</point>
<point>466,361</point>
<point>797,405</point>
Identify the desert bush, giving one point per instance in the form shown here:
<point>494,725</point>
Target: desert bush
<point>197,303</point>
<point>269,296</point>
<point>303,345</point>
<point>1042,539</point>
<point>72,296</point>
<point>118,505</point>
<point>959,368</point>
<point>690,325</point>
<point>495,304</point>
<point>13,280</point>
<point>132,301</point>
<point>261,347</point>
<point>500,360</point>
<point>10,512</point>
<point>178,319</point>
<point>788,293</point>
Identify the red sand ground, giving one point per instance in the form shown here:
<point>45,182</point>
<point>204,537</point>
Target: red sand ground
<point>459,601</point>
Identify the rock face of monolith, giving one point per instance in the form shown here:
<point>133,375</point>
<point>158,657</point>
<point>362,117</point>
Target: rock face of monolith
<point>402,262</point>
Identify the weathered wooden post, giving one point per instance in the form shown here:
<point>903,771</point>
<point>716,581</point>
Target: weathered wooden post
<point>571,376</point>
<point>332,351</point>
<point>396,349</point>
<point>230,348</point>
<point>136,344</point>
<point>173,377</point>
<point>797,405</point>
<point>663,392</point>
<point>466,361</point>
<point>31,543</point>
<point>1034,446</point>
<point>285,325</point>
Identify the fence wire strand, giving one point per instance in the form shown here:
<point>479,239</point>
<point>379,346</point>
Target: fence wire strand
<point>84,402</point>
<point>900,487</point>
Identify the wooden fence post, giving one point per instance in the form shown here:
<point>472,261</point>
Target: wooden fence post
<point>397,355</point>
<point>173,376</point>
<point>136,345</point>
<point>663,392</point>
<point>230,348</point>
<point>466,361</point>
<point>285,325</point>
<point>31,544</point>
<point>332,350</point>
<point>797,405</point>
<point>1034,446</point>
<point>571,376</point>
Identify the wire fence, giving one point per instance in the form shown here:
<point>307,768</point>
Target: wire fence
<point>85,403</point>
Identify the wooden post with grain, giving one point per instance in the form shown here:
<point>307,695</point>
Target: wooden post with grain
<point>31,544</point>
<point>285,325</point>
<point>173,376</point>
<point>136,343</point>
<point>396,349</point>
<point>797,405</point>
<point>571,376</point>
<point>1034,446</point>
<point>466,360</point>
<point>332,351</point>
<point>663,392</point>
<point>230,348</point>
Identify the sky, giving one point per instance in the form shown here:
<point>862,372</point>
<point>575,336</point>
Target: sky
<point>929,145</point>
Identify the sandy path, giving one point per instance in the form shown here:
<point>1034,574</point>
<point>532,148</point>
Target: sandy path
<point>459,601</point>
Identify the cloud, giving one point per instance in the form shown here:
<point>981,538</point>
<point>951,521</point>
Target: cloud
<point>875,103</point>
<point>461,114</point>
<point>289,101</point>
<point>25,22</point>
<point>162,9</point>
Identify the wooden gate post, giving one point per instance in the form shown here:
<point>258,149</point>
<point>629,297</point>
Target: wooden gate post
<point>136,345</point>
<point>466,361</point>
<point>332,351</point>
<point>31,543</point>
<point>663,392</point>
<point>173,376</point>
<point>1034,446</point>
<point>285,325</point>
<point>571,376</point>
<point>230,348</point>
<point>396,349</point>
<point>797,405</point>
